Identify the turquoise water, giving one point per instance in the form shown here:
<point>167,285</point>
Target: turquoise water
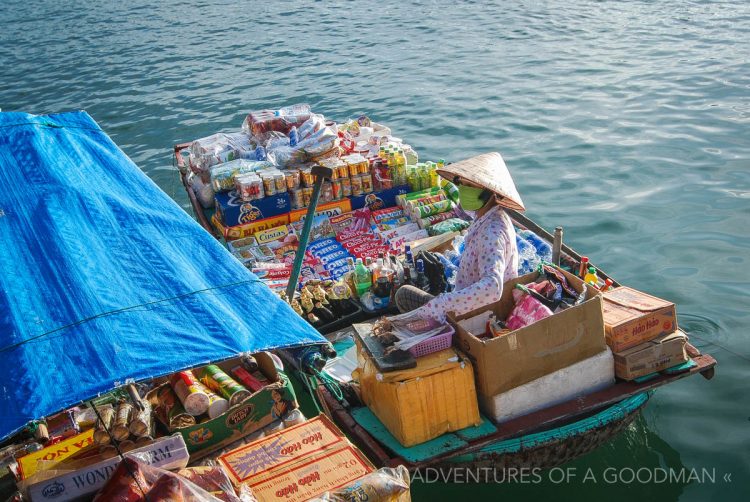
<point>624,122</point>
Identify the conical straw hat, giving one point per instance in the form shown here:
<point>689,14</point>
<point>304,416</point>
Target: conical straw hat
<point>487,171</point>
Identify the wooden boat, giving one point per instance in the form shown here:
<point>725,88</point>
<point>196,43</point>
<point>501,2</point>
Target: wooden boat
<point>542,439</point>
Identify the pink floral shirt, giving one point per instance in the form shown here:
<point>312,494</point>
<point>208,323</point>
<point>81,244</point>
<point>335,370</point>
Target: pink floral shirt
<point>489,259</point>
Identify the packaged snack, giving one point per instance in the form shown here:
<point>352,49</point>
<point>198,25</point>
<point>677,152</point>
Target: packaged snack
<point>449,225</point>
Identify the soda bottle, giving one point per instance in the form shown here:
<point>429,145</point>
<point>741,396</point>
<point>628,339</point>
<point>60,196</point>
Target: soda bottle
<point>397,269</point>
<point>421,281</point>
<point>376,268</point>
<point>412,179</point>
<point>591,277</point>
<point>362,278</point>
<point>401,166</point>
<point>432,170</point>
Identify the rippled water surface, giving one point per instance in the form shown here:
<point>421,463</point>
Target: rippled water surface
<point>624,122</point>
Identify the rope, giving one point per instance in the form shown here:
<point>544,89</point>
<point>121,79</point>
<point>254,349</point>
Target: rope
<point>124,309</point>
<point>306,380</point>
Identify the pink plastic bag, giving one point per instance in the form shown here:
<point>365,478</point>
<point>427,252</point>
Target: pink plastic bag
<point>527,311</point>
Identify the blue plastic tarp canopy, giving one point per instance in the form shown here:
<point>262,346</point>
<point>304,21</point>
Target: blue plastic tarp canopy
<point>104,278</point>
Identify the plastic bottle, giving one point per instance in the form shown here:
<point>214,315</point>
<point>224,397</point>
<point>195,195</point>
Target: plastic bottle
<point>398,269</point>
<point>591,277</point>
<point>607,284</point>
<point>293,136</point>
<point>583,267</point>
<point>407,278</point>
<point>543,250</point>
<point>401,165</point>
<point>409,257</point>
<point>376,268</point>
<point>421,281</point>
<point>386,270</point>
<point>362,278</point>
<point>434,178</point>
<point>424,178</point>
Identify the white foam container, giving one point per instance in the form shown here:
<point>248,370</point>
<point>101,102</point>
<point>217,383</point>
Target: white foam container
<point>584,377</point>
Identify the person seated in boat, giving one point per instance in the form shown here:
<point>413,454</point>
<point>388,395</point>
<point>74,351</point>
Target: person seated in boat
<point>490,254</point>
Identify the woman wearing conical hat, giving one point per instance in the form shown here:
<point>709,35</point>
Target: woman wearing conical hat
<point>490,254</point>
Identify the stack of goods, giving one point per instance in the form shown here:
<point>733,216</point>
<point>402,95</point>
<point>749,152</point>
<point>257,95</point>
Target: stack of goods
<point>547,332</point>
<point>433,209</point>
<point>188,414</point>
<point>642,332</point>
<point>259,176</point>
<point>323,302</point>
<point>312,461</point>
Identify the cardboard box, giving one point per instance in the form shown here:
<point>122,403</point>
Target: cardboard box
<point>533,351</point>
<point>243,418</point>
<point>53,454</point>
<point>632,317</point>
<point>297,463</point>
<point>248,229</point>
<point>422,403</point>
<point>322,472</point>
<point>655,355</point>
<point>329,209</point>
<point>168,453</point>
<point>231,210</point>
<point>379,200</point>
<point>281,449</point>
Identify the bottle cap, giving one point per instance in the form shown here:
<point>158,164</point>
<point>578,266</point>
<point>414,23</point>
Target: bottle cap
<point>420,265</point>
<point>584,259</point>
<point>592,270</point>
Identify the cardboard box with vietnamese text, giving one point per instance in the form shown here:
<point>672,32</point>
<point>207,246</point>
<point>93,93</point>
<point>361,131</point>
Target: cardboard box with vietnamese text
<point>655,355</point>
<point>632,317</point>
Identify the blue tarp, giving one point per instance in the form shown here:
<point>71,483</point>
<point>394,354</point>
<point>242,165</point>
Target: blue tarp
<point>104,278</point>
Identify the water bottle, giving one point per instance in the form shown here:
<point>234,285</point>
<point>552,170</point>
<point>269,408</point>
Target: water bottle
<point>543,250</point>
<point>293,137</point>
<point>260,153</point>
<point>526,255</point>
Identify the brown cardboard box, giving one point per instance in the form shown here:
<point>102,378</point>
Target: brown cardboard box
<point>297,463</point>
<point>658,354</point>
<point>536,350</point>
<point>632,317</point>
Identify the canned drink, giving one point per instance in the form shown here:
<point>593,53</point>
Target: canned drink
<point>343,171</point>
<point>326,192</point>
<point>280,182</point>
<point>269,184</point>
<point>366,183</point>
<point>356,185</point>
<point>346,187</point>
<point>215,379</point>
<point>306,196</point>
<point>292,180</point>
<point>120,429</point>
<point>307,177</point>
<point>107,414</point>
<point>190,392</point>
<point>297,199</point>
<point>353,169</point>
<point>249,187</point>
<point>337,190</point>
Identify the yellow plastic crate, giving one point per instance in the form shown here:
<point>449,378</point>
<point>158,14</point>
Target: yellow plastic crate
<point>422,403</point>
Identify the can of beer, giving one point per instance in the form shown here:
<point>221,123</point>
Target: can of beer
<point>269,184</point>
<point>280,182</point>
<point>120,429</point>
<point>107,414</point>
<point>215,379</point>
<point>296,198</point>
<point>343,171</point>
<point>292,179</point>
<point>170,411</point>
<point>190,392</point>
